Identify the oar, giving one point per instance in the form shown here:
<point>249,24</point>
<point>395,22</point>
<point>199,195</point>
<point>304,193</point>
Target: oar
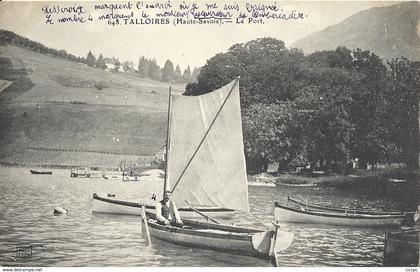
<point>143,215</point>
<point>200,213</point>
<point>273,251</point>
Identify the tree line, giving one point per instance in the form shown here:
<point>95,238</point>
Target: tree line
<point>9,37</point>
<point>323,109</point>
<point>146,68</point>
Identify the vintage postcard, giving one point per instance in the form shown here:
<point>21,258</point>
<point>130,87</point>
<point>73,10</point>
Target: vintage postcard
<point>217,133</point>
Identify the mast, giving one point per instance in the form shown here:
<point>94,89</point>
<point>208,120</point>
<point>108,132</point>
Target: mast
<point>167,142</point>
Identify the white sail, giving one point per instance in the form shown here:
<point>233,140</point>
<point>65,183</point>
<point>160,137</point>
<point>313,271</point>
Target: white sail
<point>206,162</point>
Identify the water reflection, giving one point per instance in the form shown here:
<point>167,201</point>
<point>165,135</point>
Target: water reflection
<point>82,239</point>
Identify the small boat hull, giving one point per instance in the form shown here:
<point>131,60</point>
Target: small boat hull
<point>258,184</point>
<point>290,215</point>
<point>251,244</point>
<point>113,206</point>
<point>402,248</point>
<point>198,234</point>
<point>313,207</point>
<point>36,172</point>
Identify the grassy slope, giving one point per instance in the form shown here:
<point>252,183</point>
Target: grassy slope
<point>65,110</point>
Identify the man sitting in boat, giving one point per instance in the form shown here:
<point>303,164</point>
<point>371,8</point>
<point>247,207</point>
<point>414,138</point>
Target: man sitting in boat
<point>166,211</point>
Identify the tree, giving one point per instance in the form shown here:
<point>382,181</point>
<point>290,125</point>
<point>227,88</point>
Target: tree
<point>143,67</point>
<point>403,110</point>
<point>339,58</point>
<point>117,64</point>
<point>271,76</point>
<point>128,66</point>
<point>100,62</point>
<point>187,74</point>
<point>178,71</point>
<point>178,74</point>
<point>324,115</point>
<point>268,71</point>
<point>219,70</point>
<point>323,109</point>
<point>271,134</point>
<point>168,71</point>
<point>195,73</point>
<point>90,59</point>
<point>367,109</point>
<point>154,70</point>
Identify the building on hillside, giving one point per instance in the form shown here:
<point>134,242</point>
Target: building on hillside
<point>110,65</point>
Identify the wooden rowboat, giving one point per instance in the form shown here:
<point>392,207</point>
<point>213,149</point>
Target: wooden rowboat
<point>196,234</point>
<point>224,238</point>
<point>402,248</point>
<point>313,207</point>
<point>36,172</point>
<point>113,206</point>
<point>293,215</point>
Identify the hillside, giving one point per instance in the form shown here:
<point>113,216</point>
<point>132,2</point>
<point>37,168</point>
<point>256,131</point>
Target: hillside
<point>389,31</point>
<point>56,111</point>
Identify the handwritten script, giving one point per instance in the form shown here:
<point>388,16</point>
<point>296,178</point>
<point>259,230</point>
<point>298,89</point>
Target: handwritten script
<point>170,13</point>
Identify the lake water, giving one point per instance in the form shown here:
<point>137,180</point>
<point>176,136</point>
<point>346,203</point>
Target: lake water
<point>85,239</point>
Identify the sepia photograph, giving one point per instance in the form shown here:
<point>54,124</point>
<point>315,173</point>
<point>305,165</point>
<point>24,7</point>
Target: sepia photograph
<point>177,134</point>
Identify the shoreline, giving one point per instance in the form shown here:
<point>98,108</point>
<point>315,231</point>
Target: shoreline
<point>269,180</point>
<point>398,176</point>
<point>28,167</point>
<point>399,182</point>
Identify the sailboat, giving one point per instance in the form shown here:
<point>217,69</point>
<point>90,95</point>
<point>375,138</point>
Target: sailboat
<point>205,154</point>
<point>205,167</point>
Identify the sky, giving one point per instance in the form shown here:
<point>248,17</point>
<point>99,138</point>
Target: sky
<point>182,44</point>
